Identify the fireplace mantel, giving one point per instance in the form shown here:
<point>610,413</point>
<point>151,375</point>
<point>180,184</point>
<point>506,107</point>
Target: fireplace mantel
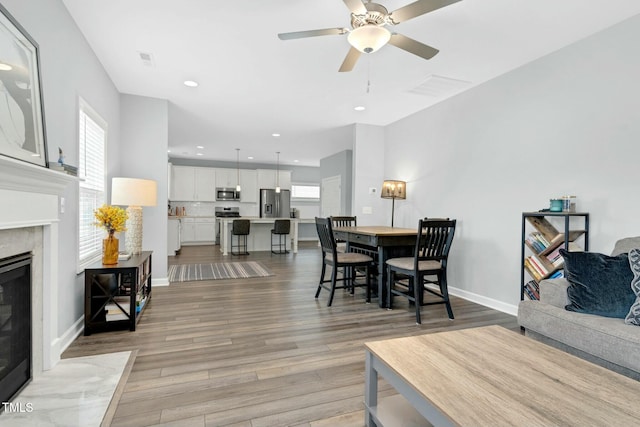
<point>17,175</point>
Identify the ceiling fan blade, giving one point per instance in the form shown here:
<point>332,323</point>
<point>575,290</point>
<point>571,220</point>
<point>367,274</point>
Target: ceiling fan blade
<point>418,8</point>
<point>313,33</point>
<point>350,60</point>
<point>356,6</point>
<point>413,46</point>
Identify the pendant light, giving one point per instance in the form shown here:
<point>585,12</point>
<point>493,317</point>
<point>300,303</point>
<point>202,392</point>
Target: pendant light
<point>237,169</point>
<point>278,172</point>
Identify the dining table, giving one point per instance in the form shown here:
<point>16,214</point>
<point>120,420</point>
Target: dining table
<point>383,243</point>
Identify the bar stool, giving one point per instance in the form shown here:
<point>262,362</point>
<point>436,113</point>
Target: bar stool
<point>281,228</point>
<point>240,229</point>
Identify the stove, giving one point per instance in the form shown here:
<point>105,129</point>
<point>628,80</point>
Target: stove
<point>222,212</point>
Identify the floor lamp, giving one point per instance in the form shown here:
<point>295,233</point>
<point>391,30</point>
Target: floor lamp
<point>134,193</point>
<point>393,190</point>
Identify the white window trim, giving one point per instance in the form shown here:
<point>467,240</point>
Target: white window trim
<point>305,199</point>
<point>84,107</point>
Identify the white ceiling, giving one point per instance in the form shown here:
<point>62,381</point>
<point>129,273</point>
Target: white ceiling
<point>253,84</point>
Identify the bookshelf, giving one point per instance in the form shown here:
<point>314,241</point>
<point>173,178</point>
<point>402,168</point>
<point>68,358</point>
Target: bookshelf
<point>116,295</point>
<point>541,241</point>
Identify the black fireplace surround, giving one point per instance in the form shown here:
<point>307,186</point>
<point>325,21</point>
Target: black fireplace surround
<point>15,325</point>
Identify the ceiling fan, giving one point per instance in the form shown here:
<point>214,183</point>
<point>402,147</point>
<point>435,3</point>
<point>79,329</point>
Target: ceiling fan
<point>369,33</point>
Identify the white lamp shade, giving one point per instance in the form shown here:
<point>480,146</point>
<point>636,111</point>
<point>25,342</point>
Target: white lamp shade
<point>134,192</point>
<point>369,38</point>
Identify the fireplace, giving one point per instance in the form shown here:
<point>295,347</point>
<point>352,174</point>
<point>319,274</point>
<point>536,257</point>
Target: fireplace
<point>15,324</point>
<point>29,223</point>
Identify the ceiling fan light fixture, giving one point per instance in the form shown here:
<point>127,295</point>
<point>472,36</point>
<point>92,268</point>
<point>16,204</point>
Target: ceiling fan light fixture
<point>369,38</point>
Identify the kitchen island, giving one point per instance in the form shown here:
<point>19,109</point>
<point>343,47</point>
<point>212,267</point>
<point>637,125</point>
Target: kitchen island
<point>259,238</point>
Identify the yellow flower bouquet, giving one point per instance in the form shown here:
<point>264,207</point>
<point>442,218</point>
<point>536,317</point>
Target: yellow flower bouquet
<point>111,218</point>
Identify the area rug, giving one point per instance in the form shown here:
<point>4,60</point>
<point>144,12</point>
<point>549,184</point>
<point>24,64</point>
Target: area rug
<point>219,270</point>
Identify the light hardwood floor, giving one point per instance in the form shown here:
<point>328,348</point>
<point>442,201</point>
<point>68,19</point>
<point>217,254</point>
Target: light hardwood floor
<point>260,351</point>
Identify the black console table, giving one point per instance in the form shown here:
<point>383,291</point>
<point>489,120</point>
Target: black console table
<point>116,295</point>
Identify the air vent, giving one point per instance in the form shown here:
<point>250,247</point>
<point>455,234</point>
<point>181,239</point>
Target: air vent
<point>439,87</point>
<point>147,59</point>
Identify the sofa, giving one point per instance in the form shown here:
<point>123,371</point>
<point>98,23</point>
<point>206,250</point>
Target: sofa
<point>607,341</point>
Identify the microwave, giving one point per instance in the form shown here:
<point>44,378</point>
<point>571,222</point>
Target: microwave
<point>227,194</point>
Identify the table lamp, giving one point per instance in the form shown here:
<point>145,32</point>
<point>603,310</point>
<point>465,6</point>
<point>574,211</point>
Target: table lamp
<point>133,193</point>
<point>392,189</point>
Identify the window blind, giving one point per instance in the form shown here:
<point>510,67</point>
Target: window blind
<point>91,169</point>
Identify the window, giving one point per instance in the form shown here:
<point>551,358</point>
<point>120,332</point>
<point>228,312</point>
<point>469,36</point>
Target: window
<point>91,170</point>
<point>305,191</point>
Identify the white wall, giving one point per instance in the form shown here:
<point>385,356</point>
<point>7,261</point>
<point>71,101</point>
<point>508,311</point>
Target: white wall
<point>568,123</point>
<point>69,69</point>
<point>145,138</point>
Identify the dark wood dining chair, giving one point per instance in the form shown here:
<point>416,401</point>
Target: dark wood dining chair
<point>411,277</point>
<point>347,260</point>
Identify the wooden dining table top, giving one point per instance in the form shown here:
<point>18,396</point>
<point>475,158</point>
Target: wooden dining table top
<point>378,230</point>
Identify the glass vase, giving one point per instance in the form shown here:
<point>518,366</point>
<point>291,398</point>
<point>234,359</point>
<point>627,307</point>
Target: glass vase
<point>110,247</point>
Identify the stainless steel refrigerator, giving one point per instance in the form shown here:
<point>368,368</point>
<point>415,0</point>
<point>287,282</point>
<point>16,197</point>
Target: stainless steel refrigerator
<point>274,205</point>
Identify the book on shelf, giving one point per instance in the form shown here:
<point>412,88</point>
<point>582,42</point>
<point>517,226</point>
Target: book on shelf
<point>531,290</point>
<point>532,271</point>
<point>117,316</point>
<point>538,265</point>
<point>528,292</point>
<point>558,274</point>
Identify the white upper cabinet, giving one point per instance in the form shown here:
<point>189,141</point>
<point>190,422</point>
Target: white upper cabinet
<point>227,178</point>
<point>249,186</point>
<point>205,184</point>
<point>183,179</point>
<point>267,179</point>
<point>193,184</point>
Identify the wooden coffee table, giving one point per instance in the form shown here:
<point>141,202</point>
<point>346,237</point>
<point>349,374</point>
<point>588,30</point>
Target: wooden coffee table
<point>492,377</point>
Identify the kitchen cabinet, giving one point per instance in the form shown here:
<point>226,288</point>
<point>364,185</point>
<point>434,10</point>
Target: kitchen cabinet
<point>267,179</point>
<point>173,236</point>
<point>249,184</point>
<point>198,230</point>
<point>196,184</point>
<point>226,178</point>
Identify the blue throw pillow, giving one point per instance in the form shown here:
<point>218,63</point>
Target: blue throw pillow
<point>599,284</point>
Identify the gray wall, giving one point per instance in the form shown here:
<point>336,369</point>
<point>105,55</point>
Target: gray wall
<point>340,164</point>
<point>568,123</point>
<point>69,69</point>
<point>145,130</point>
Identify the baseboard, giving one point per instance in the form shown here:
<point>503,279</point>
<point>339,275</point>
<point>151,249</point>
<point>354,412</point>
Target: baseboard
<point>60,344</point>
<point>162,281</point>
<point>482,300</point>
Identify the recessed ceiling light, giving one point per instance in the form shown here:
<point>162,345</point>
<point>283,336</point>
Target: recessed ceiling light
<point>200,147</point>
<point>199,154</point>
<point>5,67</point>
<point>168,151</point>
<point>275,134</point>
<point>190,83</point>
<point>296,161</point>
<point>250,157</point>
<point>359,108</point>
